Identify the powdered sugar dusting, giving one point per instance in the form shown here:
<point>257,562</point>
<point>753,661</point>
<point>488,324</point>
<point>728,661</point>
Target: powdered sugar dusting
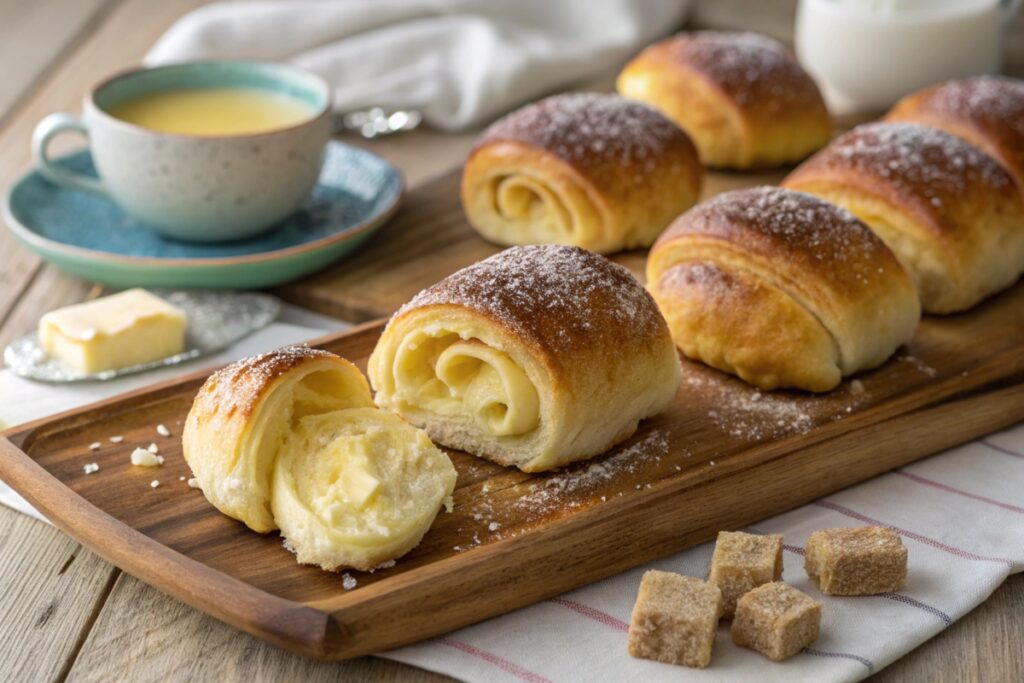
<point>749,67</point>
<point>794,223</point>
<point>237,387</point>
<point>569,489</point>
<point>751,414</point>
<point>995,99</point>
<point>918,161</point>
<point>562,297</point>
<point>593,128</point>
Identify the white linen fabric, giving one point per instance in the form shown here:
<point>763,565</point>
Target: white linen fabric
<point>960,513</point>
<point>460,62</point>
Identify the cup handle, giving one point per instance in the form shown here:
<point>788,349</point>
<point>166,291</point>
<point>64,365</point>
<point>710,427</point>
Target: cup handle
<point>46,130</point>
<point>1010,9</point>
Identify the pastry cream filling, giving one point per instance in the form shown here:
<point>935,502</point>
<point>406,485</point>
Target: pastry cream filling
<point>451,376</point>
<point>358,480</point>
<point>538,213</point>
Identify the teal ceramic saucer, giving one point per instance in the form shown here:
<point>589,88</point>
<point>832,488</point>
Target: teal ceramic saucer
<point>90,236</point>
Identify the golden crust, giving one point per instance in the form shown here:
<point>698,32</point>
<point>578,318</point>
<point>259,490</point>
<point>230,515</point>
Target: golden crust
<point>781,289</point>
<point>584,169</point>
<point>582,330</point>
<point>951,213</point>
<point>986,111</point>
<point>742,97</point>
<point>243,411</point>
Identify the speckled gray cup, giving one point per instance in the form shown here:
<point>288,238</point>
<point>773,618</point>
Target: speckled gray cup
<point>204,189</point>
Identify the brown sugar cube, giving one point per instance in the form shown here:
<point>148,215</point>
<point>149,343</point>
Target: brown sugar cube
<point>856,561</point>
<point>777,620</point>
<point>675,619</point>
<point>742,562</point>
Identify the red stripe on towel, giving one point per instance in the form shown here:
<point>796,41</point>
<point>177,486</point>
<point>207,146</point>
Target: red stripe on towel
<point>591,613</point>
<point>1002,449</point>
<point>945,487</point>
<point>491,658</point>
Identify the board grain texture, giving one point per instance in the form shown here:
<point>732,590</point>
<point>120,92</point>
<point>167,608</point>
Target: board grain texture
<point>724,455</point>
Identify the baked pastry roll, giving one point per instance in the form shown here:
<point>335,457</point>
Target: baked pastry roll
<point>742,97</point>
<point>586,169</point>
<point>951,213</point>
<point>986,111</point>
<point>291,439</point>
<point>535,357</point>
<point>781,289</point>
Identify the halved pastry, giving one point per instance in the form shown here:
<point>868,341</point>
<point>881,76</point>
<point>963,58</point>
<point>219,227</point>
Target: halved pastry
<point>535,357</point>
<point>291,439</point>
<point>585,169</point>
<point>781,289</point>
<point>358,487</point>
<point>953,216</point>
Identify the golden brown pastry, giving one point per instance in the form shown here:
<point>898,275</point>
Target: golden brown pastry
<point>535,357</point>
<point>742,97</point>
<point>781,288</point>
<point>951,214</point>
<point>291,440</point>
<point>987,111</point>
<point>586,169</point>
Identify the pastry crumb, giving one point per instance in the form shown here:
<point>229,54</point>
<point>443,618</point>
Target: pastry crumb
<point>154,484</point>
<point>90,468</point>
<point>348,582</point>
<point>193,483</point>
<point>116,439</point>
<point>145,458</point>
<point>95,446</point>
<point>162,430</point>
<point>153,448</point>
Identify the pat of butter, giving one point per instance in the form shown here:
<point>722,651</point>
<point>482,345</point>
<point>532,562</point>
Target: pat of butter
<point>113,332</point>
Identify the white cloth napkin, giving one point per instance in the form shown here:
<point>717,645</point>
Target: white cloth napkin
<point>960,513</point>
<point>460,62</point>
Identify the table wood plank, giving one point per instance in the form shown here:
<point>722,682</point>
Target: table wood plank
<point>141,635</point>
<point>50,590</point>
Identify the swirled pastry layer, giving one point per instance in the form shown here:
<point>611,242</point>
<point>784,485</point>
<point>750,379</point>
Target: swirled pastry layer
<point>951,213</point>
<point>358,487</point>
<point>590,170</point>
<point>242,415</point>
<point>535,357</point>
<point>742,97</point>
<point>781,288</point>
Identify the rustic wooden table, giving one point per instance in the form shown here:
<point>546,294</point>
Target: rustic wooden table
<point>65,614</point>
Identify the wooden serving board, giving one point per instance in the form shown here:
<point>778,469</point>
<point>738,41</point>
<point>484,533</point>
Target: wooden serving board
<point>428,239</point>
<point>722,456</point>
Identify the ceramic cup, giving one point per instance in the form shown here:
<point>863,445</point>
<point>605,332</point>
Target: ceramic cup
<point>204,189</point>
<point>867,54</point>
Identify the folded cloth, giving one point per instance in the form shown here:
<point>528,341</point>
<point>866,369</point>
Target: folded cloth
<point>460,62</point>
<point>960,513</point>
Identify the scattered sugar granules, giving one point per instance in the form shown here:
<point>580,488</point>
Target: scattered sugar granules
<point>155,483</point>
<point>90,468</point>
<point>162,430</point>
<point>348,582</point>
<point>95,446</point>
<point>116,439</point>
